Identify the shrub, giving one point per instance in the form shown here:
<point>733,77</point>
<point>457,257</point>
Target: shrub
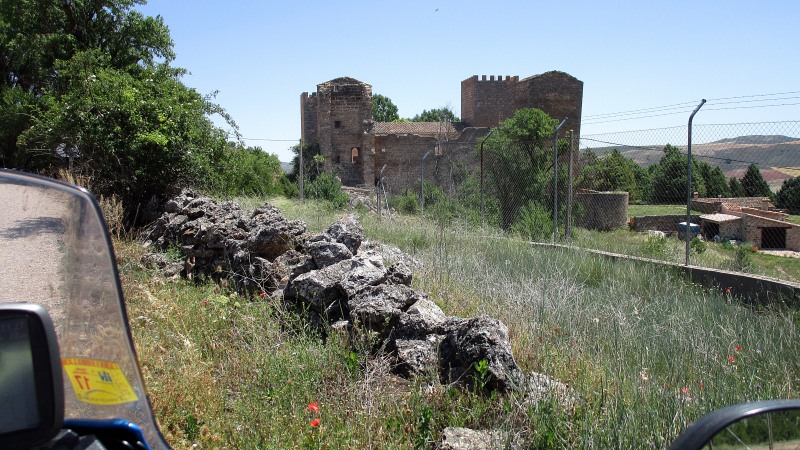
<point>533,222</point>
<point>406,202</point>
<point>328,188</point>
<point>655,245</point>
<point>744,257</point>
<point>698,245</point>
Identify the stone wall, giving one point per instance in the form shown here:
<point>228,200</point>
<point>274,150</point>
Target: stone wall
<point>667,224</point>
<point>486,103</point>
<point>557,93</point>
<point>402,155</point>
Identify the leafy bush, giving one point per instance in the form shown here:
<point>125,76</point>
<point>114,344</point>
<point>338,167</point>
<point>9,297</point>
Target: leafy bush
<point>328,188</point>
<point>533,222</point>
<point>406,202</point>
<point>744,257</point>
<point>655,245</point>
<point>247,171</point>
<point>698,245</point>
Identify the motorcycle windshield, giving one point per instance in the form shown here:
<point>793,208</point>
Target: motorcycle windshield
<point>55,251</point>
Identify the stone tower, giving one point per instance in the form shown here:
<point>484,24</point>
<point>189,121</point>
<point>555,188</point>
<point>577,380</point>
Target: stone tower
<point>337,118</point>
<point>486,103</point>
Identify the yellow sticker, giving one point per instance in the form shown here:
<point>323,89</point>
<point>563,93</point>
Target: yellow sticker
<point>98,382</point>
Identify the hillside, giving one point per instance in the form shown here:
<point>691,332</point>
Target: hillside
<point>777,156</point>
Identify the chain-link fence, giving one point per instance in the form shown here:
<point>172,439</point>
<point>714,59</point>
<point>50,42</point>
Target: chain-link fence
<point>632,193</point>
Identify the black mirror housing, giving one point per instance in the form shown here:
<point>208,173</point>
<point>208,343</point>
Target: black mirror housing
<point>31,382</point>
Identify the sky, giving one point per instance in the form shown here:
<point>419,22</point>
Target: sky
<point>260,56</point>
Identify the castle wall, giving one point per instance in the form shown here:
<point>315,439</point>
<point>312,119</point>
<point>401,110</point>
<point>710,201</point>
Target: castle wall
<point>558,94</point>
<point>486,103</point>
<point>338,117</point>
<point>308,117</point>
<point>403,154</point>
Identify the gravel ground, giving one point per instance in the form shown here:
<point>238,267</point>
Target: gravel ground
<point>31,240</point>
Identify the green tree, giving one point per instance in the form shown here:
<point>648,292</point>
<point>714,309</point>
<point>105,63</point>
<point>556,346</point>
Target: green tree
<point>247,171</point>
<point>35,34</point>
<point>735,187</point>
<point>383,110</point>
<point>754,184</point>
<point>669,177</point>
<point>138,135</point>
<point>612,172</point>
<point>518,159</point>
<point>788,196</point>
<point>436,115</point>
<point>312,162</point>
<point>714,180</point>
<point>91,80</point>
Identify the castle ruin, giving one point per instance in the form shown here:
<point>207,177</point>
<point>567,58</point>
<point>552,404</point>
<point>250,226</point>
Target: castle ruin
<point>338,118</point>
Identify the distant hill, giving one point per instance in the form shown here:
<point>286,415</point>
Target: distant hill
<point>757,139</point>
<point>777,156</point>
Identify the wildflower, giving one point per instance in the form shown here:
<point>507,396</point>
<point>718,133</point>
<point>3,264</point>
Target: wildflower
<point>555,329</point>
<point>262,294</point>
<point>315,423</point>
<point>702,385</point>
<point>728,291</point>
<point>738,348</point>
<point>731,359</point>
<point>314,407</point>
<point>685,390</point>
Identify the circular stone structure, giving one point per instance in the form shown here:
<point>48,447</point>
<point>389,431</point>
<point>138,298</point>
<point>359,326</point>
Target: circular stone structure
<point>602,211</point>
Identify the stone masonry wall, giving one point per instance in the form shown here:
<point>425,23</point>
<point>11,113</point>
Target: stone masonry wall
<point>403,154</point>
<point>667,224</point>
<point>557,93</point>
<point>486,103</point>
<point>602,211</point>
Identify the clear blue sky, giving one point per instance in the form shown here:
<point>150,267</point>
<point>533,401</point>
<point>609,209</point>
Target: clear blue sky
<point>261,55</point>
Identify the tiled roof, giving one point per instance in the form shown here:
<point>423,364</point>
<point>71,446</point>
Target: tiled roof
<point>719,217</point>
<point>419,128</point>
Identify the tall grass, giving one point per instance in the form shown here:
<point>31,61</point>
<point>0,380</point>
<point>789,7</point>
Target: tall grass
<point>645,351</point>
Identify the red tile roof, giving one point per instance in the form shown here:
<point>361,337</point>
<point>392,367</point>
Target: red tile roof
<point>418,128</point>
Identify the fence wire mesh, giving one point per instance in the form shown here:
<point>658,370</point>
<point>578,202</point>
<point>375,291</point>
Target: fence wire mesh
<point>629,193</point>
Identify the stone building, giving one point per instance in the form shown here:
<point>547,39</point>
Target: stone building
<point>751,219</point>
<point>338,118</point>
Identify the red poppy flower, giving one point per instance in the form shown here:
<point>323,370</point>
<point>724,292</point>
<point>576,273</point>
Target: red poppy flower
<point>315,423</point>
<point>731,359</point>
<point>738,348</point>
<point>555,329</point>
<point>262,294</point>
<point>685,390</point>
<point>313,406</point>
<point>728,291</point>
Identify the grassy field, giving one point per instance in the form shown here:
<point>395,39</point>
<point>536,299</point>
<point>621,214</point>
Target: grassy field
<point>645,352</point>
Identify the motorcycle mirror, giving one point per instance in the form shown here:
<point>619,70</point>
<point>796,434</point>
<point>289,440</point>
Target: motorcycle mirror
<point>764,424</point>
<point>31,385</point>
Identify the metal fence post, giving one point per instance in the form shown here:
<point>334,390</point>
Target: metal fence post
<point>555,179</point>
<point>422,184</point>
<point>483,224</point>
<point>689,184</point>
<point>568,225</point>
<point>302,191</point>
